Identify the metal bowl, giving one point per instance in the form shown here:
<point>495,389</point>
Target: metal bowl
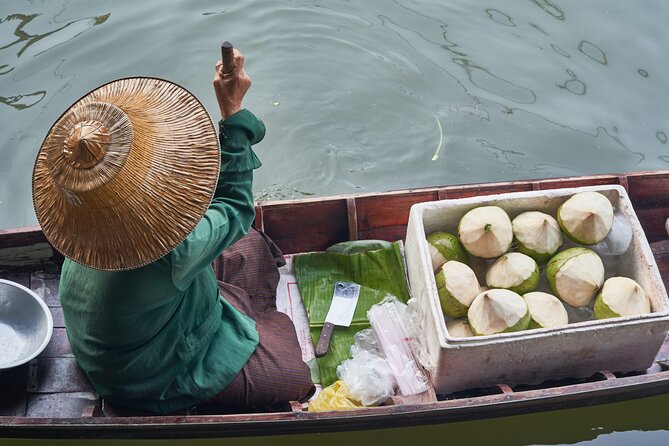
<point>26,324</point>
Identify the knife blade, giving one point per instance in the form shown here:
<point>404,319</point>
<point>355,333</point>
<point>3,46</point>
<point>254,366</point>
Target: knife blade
<point>344,300</point>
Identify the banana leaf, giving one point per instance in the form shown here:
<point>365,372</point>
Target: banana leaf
<point>379,273</point>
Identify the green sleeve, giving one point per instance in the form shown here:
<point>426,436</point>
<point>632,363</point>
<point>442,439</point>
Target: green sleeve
<point>238,133</point>
<point>231,211</point>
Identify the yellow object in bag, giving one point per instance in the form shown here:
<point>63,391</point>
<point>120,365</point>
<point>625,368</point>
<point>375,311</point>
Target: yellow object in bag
<point>334,397</point>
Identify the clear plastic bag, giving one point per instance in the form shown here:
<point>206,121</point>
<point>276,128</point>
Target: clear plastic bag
<point>415,321</point>
<point>358,246</point>
<point>619,238</point>
<point>366,340</point>
<point>382,357</point>
<point>367,374</point>
<point>394,329</point>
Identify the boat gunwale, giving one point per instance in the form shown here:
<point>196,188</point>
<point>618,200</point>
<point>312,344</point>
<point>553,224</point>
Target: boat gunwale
<point>33,234</point>
<point>607,390</point>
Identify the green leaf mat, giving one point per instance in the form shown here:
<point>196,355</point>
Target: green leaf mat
<point>379,273</point>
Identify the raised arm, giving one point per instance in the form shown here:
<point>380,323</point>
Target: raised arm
<point>231,212</point>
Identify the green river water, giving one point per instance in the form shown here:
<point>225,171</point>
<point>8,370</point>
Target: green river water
<point>373,95</point>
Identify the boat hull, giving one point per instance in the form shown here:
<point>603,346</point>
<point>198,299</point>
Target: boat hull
<point>50,398</point>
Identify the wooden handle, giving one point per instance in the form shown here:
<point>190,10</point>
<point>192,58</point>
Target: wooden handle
<point>227,57</point>
<point>324,340</point>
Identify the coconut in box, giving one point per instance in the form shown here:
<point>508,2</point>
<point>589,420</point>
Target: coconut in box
<point>571,343</point>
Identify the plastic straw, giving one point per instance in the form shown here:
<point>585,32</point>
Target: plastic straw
<point>393,339</point>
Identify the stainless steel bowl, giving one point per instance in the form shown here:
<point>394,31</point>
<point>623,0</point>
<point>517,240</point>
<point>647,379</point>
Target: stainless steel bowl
<point>26,324</point>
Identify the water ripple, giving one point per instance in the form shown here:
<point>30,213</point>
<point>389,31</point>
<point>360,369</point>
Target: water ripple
<point>66,32</point>
<point>498,16</point>
<point>574,85</point>
<point>592,51</point>
<point>538,28</point>
<point>360,84</point>
<point>473,110</point>
<point>550,8</point>
<point>559,50</point>
<point>491,83</point>
<point>599,131</point>
<point>18,32</point>
<point>23,101</point>
<point>478,76</point>
<point>640,155</point>
<point>507,155</point>
<point>222,11</point>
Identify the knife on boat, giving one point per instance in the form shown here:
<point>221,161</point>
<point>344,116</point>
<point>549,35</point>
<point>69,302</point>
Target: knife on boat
<point>227,57</point>
<point>342,307</point>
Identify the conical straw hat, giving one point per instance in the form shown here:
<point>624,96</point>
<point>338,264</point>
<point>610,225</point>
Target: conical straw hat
<point>126,173</point>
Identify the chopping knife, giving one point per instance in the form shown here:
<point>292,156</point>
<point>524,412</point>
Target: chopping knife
<point>342,307</point>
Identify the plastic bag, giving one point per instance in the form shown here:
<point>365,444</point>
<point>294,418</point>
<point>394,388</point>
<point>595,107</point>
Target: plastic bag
<point>391,321</point>
<point>367,374</point>
<point>334,397</point>
<point>358,246</point>
<point>415,321</point>
<point>365,340</point>
<point>619,238</point>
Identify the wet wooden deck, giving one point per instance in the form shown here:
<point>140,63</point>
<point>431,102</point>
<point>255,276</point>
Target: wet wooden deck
<point>51,385</point>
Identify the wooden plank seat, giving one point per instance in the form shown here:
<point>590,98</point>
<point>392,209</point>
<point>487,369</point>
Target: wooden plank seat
<point>51,385</point>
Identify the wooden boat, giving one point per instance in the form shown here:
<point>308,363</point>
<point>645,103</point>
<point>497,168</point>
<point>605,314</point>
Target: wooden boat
<point>50,397</point>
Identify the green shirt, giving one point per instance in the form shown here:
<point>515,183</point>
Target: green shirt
<point>161,337</point>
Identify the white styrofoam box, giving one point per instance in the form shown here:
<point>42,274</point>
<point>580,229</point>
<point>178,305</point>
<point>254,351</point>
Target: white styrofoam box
<point>577,350</point>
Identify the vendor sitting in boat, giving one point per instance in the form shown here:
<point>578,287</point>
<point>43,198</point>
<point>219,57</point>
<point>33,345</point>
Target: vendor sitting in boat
<point>127,187</point>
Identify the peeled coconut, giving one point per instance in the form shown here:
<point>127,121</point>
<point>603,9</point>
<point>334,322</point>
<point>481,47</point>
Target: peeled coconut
<point>514,271</point>
<point>498,311</point>
<point>486,232</point>
<point>575,275</point>
<point>538,235</point>
<point>586,217</point>
<point>444,247</point>
<point>459,328</point>
<point>457,286</point>
<point>546,310</point>
<point>621,296</point>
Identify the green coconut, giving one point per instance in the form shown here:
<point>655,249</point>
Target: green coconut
<point>537,235</point>
<point>586,217</point>
<point>459,328</point>
<point>514,271</point>
<point>546,310</point>
<point>444,247</point>
<point>457,286</point>
<point>486,232</point>
<point>575,275</point>
<point>498,311</point>
<point>621,296</point>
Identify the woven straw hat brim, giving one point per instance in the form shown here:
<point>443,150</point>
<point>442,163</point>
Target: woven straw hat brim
<point>126,173</point>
